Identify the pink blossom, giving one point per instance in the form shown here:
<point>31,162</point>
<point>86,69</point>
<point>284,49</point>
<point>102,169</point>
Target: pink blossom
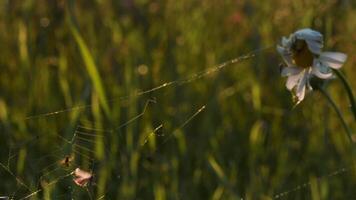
<point>82,177</point>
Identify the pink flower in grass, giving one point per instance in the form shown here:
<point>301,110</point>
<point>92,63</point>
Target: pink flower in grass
<point>82,178</point>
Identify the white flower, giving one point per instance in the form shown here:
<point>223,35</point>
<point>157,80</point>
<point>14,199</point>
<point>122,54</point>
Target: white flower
<point>304,59</point>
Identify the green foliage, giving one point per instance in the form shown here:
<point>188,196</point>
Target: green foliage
<point>229,134</point>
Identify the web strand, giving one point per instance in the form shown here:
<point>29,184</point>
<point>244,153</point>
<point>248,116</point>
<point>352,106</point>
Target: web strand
<point>88,134</point>
<point>51,183</point>
<point>139,115</point>
<point>56,166</point>
<point>185,123</point>
<point>18,180</point>
<point>151,134</point>
<point>307,184</point>
<point>193,77</point>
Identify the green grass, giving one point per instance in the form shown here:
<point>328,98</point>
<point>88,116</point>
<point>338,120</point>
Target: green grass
<point>79,61</point>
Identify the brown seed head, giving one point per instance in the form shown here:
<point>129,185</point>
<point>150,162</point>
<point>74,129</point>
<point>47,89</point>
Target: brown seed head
<point>301,55</point>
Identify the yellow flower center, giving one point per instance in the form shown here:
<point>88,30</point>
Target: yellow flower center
<point>301,55</point>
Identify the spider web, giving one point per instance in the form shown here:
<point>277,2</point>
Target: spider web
<point>80,146</point>
<point>68,154</point>
<point>78,151</point>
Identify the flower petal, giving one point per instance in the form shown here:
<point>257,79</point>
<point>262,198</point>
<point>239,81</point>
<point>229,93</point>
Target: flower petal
<point>309,34</point>
<point>292,81</point>
<point>300,92</point>
<point>316,71</point>
<point>286,42</point>
<point>314,39</point>
<point>290,71</point>
<point>333,59</point>
<point>314,47</point>
<point>320,70</point>
<point>81,173</point>
<point>285,55</point>
<point>281,50</point>
<point>82,177</point>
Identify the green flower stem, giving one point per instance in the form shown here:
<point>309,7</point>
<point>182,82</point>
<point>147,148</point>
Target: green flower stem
<point>348,89</point>
<point>339,114</point>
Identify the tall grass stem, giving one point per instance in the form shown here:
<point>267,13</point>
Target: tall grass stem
<point>348,88</point>
<point>338,112</point>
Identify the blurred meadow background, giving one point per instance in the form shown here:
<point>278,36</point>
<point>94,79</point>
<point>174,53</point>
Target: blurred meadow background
<point>76,80</point>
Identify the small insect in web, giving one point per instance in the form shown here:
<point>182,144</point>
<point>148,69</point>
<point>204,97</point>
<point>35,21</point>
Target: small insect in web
<point>69,156</point>
<point>67,161</point>
<point>56,172</point>
<point>63,168</point>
